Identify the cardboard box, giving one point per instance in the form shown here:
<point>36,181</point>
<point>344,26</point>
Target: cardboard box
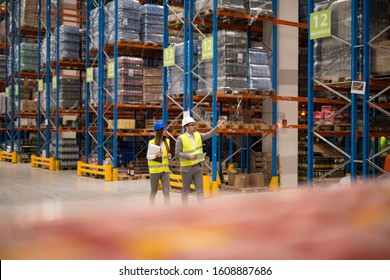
<point>241,180</point>
<point>231,179</point>
<point>256,179</point>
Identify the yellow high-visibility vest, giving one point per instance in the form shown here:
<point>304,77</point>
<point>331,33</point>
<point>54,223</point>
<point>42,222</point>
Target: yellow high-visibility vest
<point>158,167</point>
<point>189,149</point>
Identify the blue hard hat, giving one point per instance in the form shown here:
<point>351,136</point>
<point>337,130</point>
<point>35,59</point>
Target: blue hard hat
<point>159,125</point>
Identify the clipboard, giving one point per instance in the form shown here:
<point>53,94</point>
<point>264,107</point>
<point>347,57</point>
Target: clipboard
<point>200,156</point>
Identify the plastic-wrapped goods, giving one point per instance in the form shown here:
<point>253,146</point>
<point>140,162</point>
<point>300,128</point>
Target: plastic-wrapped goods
<point>130,81</point>
<point>69,92</point>
<point>28,13</point>
<point>28,57</point>
<point>175,75</point>
<point>2,67</point>
<point>259,8</point>
<point>257,57</point>
<point>123,4</point>
<point>128,22</point>
<point>232,62</point>
<point>233,5</point>
<point>260,83</point>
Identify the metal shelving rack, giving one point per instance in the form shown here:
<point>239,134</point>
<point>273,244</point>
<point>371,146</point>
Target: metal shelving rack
<point>98,139</point>
<point>370,106</point>
<point>350,101</point>
<point>15,35</point>
<point>246,141</point>
<point>50,113</point>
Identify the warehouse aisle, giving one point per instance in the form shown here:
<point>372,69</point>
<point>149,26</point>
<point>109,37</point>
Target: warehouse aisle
<point>25,190</point>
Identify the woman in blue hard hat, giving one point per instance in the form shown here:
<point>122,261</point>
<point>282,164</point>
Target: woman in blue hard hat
<point>158,155</point>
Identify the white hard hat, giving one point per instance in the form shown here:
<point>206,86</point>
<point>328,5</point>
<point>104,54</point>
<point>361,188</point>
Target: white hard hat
<point>187,120</point>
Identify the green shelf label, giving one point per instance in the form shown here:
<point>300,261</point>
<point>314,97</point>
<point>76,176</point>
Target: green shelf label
<point>169,56</point>
<point>89,74</point>
<point>110,70</point>
<point>54,82</point>
<point>40,85</point>
<point>320,24</point>
<point>207,48</point>
<point>7,91</point>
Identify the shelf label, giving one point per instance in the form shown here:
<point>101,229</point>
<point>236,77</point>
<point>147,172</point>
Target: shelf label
<point>40,85</point>
<point>89,74</point>
<point>7,91</point>
<point>131,72</point>
<point>320,26</point>
<point>110,70</point>
<point>54,82</point>
<point>169,56</point>
<point>358,87</point>
<point>207,48</point>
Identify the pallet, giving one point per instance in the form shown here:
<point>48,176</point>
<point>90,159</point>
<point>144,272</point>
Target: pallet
<point>261,92</point>
<point>337,82</point>
<point>124,177</point>
<point>334,127</point>
<point>244,190</point>
<point>150,43</point>
<point>66,59</point>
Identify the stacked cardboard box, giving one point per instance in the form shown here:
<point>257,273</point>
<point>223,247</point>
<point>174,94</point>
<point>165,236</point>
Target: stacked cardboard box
<point>152,84</point>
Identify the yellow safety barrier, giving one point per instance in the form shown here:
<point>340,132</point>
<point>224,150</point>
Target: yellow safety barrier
<point>41,161</point>
<point>12,156</point>
<point>105,170</point>
<point>208,186</point>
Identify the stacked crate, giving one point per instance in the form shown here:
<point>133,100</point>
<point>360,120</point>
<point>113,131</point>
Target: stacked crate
<point>69,92</point>
<point>130,80</point>
<point>68,152</point>
<point>151,24</point>
<point>232,60</point>
<point>152,84</point>
<point>2,67</point>
<point>129,18</point>
<point>69,43</point>
<point>28,13</point>
<point>259,75</point>
<point>28,57</point>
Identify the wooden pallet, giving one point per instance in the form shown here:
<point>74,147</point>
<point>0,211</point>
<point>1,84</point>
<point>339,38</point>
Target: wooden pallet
<point>124,177</point>
<point>244,190</point>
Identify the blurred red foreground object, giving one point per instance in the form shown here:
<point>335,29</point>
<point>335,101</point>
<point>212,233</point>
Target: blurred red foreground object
<point>337,223</point>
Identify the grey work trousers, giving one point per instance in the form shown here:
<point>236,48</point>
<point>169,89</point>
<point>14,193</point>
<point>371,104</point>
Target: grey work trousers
<point>154,178</point>
<point>195,175</point>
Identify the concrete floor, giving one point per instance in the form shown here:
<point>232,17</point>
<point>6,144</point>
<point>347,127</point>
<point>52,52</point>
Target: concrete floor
<point>53,194</point>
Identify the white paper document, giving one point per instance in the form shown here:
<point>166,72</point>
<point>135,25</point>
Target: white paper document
<point>153,149</point>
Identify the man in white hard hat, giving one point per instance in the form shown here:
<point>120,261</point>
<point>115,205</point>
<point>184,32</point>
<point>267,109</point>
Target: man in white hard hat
<point>189,150</point>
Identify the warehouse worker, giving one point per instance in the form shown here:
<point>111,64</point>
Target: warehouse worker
<point>189,150</point>
<point>384,142</point>
<point>158,155</point>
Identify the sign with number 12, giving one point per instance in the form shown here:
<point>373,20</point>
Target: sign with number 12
<point>207,48</point>
<point>320,24</point>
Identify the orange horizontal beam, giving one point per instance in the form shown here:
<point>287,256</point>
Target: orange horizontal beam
<point>292,23</point>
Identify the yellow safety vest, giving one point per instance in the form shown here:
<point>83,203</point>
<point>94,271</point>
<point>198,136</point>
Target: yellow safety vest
<point>159,167</point>
<point>188,149</point>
